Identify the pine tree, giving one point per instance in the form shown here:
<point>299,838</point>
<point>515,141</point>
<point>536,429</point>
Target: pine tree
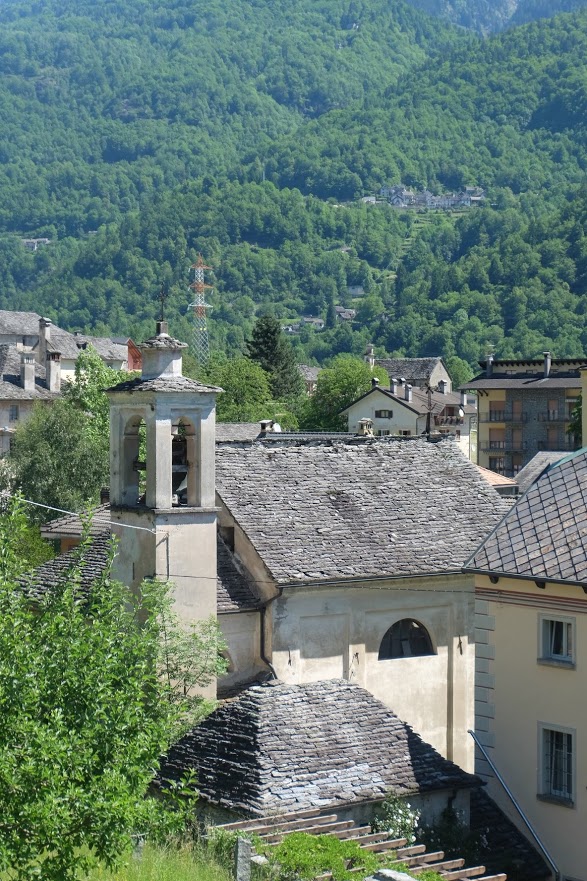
<point>269,348</point>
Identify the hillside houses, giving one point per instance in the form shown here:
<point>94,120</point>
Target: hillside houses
<point>401,196</point>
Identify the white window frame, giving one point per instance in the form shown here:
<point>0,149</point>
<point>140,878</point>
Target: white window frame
<point>383,432</point>
<point>567,764</point>
<point>548,624</point>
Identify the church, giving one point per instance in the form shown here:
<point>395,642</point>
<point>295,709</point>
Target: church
<point>322,558</point>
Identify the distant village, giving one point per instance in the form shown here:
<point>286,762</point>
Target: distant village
<point>401,196</point>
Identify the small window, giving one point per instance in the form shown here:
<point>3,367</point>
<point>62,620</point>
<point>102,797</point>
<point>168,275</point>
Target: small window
<point>405,639</point>
<point>382,432</point>
<point>404,433</point>
<point>13,413</point>
<point>383,414</point>
<point>557,763</point>
<point>557,640</point>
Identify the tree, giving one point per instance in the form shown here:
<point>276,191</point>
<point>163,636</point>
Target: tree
<point>246,391</point>
<point>88,706</point>
<point>269,347</point>
<point>61,453</point>
<point>336,387</point>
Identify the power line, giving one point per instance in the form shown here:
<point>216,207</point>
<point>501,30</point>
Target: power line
<point>6,494</point>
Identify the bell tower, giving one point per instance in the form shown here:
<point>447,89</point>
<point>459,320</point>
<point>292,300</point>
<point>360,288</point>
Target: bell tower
<point>162,445</point>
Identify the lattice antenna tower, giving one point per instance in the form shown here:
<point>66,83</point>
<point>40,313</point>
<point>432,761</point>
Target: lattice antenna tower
<point>200,341</point>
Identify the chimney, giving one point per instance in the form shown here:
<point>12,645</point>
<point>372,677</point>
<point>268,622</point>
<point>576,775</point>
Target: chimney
<point>547,364</point>
<point>489,365</point>
<point>27,371</point>
<point>442,386</point>
<point>53,371</point>
<point>393,385</point>
<point>408,392</point>
<point>463,398</point>
<point>402,380</point>
<point>44,339</point>
<point>105,495</point>
<point>365,428</point>
<point>374,382</point>
<point>370,355</point>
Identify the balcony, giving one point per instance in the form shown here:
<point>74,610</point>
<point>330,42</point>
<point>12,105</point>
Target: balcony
<point>503,416</point>
<point>449,420</point>
<point>567,444</point>
<point>503,446</point>
<point>553,416</point>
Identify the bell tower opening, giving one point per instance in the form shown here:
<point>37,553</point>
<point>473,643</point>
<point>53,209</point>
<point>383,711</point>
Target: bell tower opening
<point>184,464</point>
<point>134,462</point>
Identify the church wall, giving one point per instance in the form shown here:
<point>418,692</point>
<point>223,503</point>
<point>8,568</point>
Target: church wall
<point>335,631</point>
<point>242,632</point>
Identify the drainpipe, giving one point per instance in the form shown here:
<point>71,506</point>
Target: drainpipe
<point>533,833</point>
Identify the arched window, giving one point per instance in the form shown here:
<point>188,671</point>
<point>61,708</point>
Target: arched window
<point>134,464</point>
<point>405,639</point>
<point>184,463</point>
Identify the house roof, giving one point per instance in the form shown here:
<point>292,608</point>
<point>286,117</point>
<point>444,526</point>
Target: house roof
<point>419,402</point>
<point>309,373</point>
<point>279,747</point>
<point>525,381</point>
<point>412,369</point>
<point>108,349</point>
<point>92,561</point>
<point>234,590</point>
<point>495,479</point>
<point>21,323</point>
<point>544,536</point>
<point>378,508</point>
<point>10,387</point>
<point>237,431</point>
<point>536,466</point>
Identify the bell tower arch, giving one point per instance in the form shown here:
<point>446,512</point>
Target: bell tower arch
<point>162,482</point>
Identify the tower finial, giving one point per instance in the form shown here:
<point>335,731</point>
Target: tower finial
<point>162,297</point>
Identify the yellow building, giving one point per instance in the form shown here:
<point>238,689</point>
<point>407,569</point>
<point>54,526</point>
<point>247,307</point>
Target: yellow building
<point>524,407</point>
<point>531,664</point>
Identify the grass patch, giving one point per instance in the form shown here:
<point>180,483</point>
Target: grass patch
<point>186,863</point>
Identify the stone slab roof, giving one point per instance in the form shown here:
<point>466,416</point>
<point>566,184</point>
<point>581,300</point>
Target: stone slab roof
<point>335,510</point>
<point>507,849</point>
<point>163,384</point>
<point>234,591</point>
<point>108,349</point>
<point>544,536</point>
<point>495,479</point>
<point>21,323</point>
<point>279,747</point>
<point>309,373</point>
<point>10,387</point>
<point>414,370</point>
<point>237,431</point>
<point>536,466</point>
<point>92,560</point>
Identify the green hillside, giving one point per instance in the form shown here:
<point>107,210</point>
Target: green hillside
<point>104,103</point>
<point>260,161</point>
<point>505,112</point>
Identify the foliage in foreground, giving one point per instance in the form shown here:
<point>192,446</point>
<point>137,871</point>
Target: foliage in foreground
<point>170,863</point>
<point>86,714</point>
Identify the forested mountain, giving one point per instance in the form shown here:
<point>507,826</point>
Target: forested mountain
<point>486,16</point>
<point>251,135</point>
<point>509,111</point>
<point>103,102</point>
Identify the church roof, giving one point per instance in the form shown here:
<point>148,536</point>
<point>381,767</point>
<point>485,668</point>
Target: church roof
<point>234,592</point>
<point>323,510</point>
<point>237,431</point>
<point>544,536</point>
<point>279,747</point>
